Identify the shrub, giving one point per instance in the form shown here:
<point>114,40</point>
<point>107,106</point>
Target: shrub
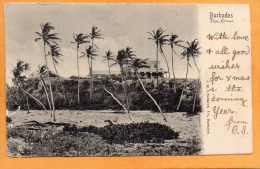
<point>65,144</point>
<point>39,139</point>
<point>8,119</point>
<point>53,142</point>
<point>167,98</point>
<point>133,132</point>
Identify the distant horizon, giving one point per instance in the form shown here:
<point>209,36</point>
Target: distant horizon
<point>119,25</point>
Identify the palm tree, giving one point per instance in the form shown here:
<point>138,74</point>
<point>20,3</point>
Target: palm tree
<point>49,39</point>
<point>56,55</point>
<point>89,53</point>
<point>173,42</point>
<point>197,84</point>
<point>161,43</point>
<point>195,90</point>
<point>109,57</point>
<point>20,79</point>
<point>136,65</point>
<point>42,71</point>
<point>79,39</point>
<point>112,95</point>
<point>159,38</point>
<point>122,59</point>
<point>26,67</point>
<point>191,51</point>
<point>95,34</point>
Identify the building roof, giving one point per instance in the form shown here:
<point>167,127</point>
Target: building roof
<point>152,70</point>
<point>104,72</point>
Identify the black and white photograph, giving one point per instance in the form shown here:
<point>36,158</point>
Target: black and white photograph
<point>102,80</point>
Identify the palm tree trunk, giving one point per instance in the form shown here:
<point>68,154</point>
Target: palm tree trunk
<point>196,65</point>
<point>159,108</point>
<point>157,71</point>
<point>48,75</point>
<point>116,99</point>
<point>166,64</point>
<point>63,91</point>
<point>109,68</point>
<point>194,101</point>
<point>28,108</point>
<point>90,92</point>
<point>27,102</point>
<point>127,94</point>
<point>195,94</point>
<point>127,97</point>
<point>46,92</point>
<point>78,72</point>
<point>125,89</point>
<point>91,69</point>
<point>184,87</point>
<point>38,101</point>
<point>173,73</point>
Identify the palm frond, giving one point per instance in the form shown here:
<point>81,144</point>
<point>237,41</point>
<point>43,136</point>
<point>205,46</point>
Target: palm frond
<point>113,64</point>
<point>37,39</point>
<point>95,33</point>
<point>39,34</point>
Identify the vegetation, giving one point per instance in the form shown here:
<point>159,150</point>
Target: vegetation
<point>94,34</point>
<point>19,79</point>
<point>56,56</point>
<point>8,119</point>
<point>49,39</point>
<point>109,57</point>
<point>102,100</point>
<point>173,42</point>
<point>62,139</point>
<point>122,58</point>
<point>42,71</point>
<point>79,39</point>
<point>191,51</point>
<point>137,64</point>
<point>159,38</point>
<point>126,91</point>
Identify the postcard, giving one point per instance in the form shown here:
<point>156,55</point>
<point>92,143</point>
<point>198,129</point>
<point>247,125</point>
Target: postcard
<point>128,79</point>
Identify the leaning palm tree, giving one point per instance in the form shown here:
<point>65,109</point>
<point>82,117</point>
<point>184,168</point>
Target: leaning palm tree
<point>56,56</point>
<point>94,34</point>
<point>42,71</point>
<point>122,58</point>
<point>129,56</point>
<point>191,51</point>
<point>195,91</point>
<point>49,39</point>
<point>158,37</point>
<point>20,79</point>
<point>109,57</point>
<point>136,65</point>
<point>173,42</point>
<point>197,84</point>
<point>26,67</point>
<point>111,94</point>
<point>90,53</point>
<point>163,42</point>
<point>79,39</point>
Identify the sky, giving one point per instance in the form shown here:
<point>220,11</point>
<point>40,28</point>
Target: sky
<point>121,25</point>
